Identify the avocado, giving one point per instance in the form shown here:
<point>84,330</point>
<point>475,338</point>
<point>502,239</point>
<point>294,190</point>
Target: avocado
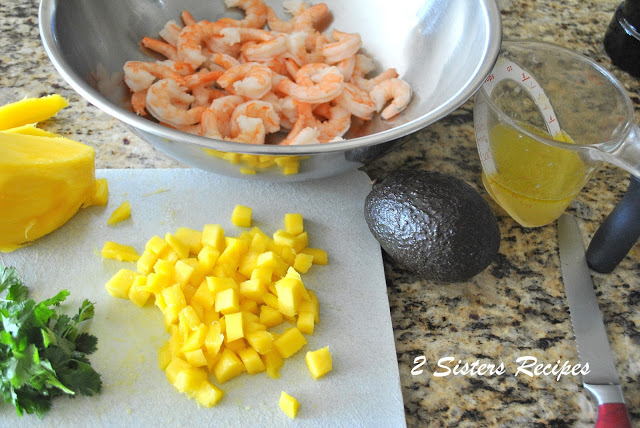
<point>433,224</point>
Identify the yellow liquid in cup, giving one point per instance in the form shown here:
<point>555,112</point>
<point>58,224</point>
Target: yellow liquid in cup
<point>533,182</point>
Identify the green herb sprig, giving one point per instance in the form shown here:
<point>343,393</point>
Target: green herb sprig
<point>42,353</point>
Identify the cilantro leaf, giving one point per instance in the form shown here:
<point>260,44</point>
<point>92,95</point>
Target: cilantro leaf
<point>43,353</point>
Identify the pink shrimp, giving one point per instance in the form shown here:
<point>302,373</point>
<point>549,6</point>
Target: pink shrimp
<point>192,39</point>
<point>163,48</point>
<point>251,80</point>
<point>345,46</point>
<point>203,94</point>
<point>357,101</point>
<point>201,77</point>
<point>316,83</point>
<point>250,130</point>
<point>265,50</point>
<point>346,67</point>
<point>297,49</point>
<point>391,89</point>
<point>304,18</point>
<point>215,121</point>
<point>255,13</point>
<point>187,18</point>
<point>337,123</point>
<point>138,102</point>
<point>170,32</point>
<point>168,102</point>
<point>233,35</point>
<point>306,136</point>
<point>139,75</point>
<point>257,109</point>
<point>369,84</point>
<point>305,119</point>
<point>225,61</point>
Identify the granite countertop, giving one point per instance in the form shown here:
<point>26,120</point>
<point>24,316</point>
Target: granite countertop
<point>517,307</point>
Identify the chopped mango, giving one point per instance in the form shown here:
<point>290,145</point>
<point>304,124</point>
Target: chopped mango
<point>290,342</point>
<point>120,252</point>
<point>121,213</point>
<point>289,405</point>
<point>31,129</point>
<point>228,366</point>
<point>219,296</point>
<point>320,257</point>
<point>120,283</point>
<point>241,216</point>
<point>100,195</point>
<point>293,223</point>
<point>319,362</point>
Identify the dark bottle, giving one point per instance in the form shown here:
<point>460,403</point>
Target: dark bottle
<point>622,39</point>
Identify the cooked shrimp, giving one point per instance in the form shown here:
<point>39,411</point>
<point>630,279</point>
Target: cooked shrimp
<point>251,80</point>
<point>346,67</point>
<point>304,18</point>
<point>233,35</point>
<point>305,136</point>
<point>170,32</point>
<point>187,18</point>
<point>356,101</point>
<point>337,123</point>
<point>139,75</point>
<point>292,67</point>
<point>251,130</point>
<point>257,109</point>
<point>266,50</point>
<point>363,66</point>
<point>163,48</point>
<point>168,102</point>
<point>317,83</point>
<point>255,13</point>
<point>345,46</point>
<point>304,119</point>
<point>192,39</point>
<point>225,61</point>
<point>396,89</point>
<point>297,49</point>
<point>216,118</point>
<point>203,94</point>
<point>139,102</point>
<point>369,84</point>
<point>201,77</point>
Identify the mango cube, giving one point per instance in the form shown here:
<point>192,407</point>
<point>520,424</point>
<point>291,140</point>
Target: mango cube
<point>214,339</point>
<point>305,322</point>
<point>228,366</point>
<point>182,272</point>
<point>241,216</point>
<point>121,213</point>
<point>174,367</point>
<point>320,256</point>
<point>208,256</point>
<point>213,236</point>
<point>137,292</point>
<point>251,360</point>
<point>273,361</point>
<point>203,296</point>
<point>207,394</point>
<point>269,316</point>
<point>290,293</point>
<point>189,380</point>
<point>196,358</point>
<point>302,263</point>
<point>260,340</point>
<point>227,301</point>
<point>120,252</point>
<point>319,362</point>
<point>101,193</point>
<point>289,405</point>
<point>146,261</point>
<point>196,339</point>
<point>120,283</point>
<point>293,223</point>
<point>181,248</point>
<point>234,326</point>
<point>290,342</point>
<point>156,245</point>
<point>191,237</point>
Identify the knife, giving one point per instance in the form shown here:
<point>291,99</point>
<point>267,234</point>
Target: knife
<point>593,346</point>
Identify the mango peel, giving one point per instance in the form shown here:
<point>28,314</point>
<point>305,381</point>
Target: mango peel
<point>44,179</point>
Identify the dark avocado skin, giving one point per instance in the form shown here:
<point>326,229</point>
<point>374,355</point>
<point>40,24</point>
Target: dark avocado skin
<point>433,224</point>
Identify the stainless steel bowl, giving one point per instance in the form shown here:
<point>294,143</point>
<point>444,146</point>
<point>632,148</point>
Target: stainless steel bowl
<point>443,48</point>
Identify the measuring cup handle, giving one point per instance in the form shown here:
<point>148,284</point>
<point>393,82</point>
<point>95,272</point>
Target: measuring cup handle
<point>617,233</point>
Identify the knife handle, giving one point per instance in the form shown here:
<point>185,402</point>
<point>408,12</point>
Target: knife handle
<point>613,415</point>
<point>617,233</point>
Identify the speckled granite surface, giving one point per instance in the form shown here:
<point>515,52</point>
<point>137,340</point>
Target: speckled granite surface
<point>515,308</point>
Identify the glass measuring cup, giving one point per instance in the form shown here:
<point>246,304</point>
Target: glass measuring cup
<point>545,118</point>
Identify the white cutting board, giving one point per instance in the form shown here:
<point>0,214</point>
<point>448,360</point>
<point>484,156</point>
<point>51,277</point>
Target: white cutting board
<point>362,390</point>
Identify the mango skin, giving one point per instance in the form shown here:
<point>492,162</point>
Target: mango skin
<point>43,183</point>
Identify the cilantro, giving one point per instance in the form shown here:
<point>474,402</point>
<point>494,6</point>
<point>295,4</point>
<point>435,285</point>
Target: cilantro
<point>43,354</point>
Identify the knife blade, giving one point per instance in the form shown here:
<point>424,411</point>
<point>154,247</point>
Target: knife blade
<point>593,346</point>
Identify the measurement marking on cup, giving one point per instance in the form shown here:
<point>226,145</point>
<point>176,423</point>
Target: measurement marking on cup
<point>505,70</point>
